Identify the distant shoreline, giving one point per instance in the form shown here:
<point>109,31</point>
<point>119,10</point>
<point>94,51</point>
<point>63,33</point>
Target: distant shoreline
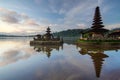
<point>14,36</point>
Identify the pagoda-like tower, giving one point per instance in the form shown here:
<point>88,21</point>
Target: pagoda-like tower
<point>97,21</point>
<point>48,35</point>
<point>48,30</point>
<point>97,31</point>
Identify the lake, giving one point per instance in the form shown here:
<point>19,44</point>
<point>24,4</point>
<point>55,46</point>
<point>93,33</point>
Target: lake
<point>20,61</point>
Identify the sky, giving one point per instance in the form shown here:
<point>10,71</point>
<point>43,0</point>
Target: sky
<point>24,17</point>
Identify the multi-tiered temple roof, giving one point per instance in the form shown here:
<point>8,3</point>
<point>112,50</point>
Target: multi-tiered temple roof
<point>97,30</point>
<point>97,26</point>
<point>97,21</point>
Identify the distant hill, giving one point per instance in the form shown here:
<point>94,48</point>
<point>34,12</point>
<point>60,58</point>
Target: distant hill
<point>65,33</point>
<point>5,35</point>
<point>69,33</point>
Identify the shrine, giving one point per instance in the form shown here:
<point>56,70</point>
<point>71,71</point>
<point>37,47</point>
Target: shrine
<point>46,39</point>
<point>97,31</point>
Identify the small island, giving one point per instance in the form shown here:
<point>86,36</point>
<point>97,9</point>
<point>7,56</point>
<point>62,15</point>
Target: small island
<point>97,33</point>
<point>46,39</point>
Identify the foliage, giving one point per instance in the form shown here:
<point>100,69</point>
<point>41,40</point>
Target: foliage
<point>69,33</point>
<point>98,41</point>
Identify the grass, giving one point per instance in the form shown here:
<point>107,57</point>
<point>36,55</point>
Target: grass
<point>98,41</point>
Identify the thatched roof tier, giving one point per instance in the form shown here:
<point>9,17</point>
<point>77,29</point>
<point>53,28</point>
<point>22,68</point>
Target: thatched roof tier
<point>97,21</point>
<point>97,26</point>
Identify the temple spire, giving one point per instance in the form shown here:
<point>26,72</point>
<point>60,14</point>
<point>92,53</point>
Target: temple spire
<point>48,30</point>
<point>97,21</point>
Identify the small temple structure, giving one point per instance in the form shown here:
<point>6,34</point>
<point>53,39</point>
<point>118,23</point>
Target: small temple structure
<point>96,31</point>
<point>115,34</point>
<point>46,39</point>
<point>48,35</point>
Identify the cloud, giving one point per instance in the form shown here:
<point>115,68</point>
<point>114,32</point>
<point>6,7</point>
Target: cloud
<point>20,23</point>
<point>61,14</point>
<point>9,19</point>
<point>80,13</point>
<point>11,54</point>
<point>63,6</point>
<point>71,12</point>
<point>74,12</point>
<point>100,2</point>
<point>38,1</point>
<point>82,26</point>
<point>112,26</point>
<point>31,22</point>
<point>9,16</point>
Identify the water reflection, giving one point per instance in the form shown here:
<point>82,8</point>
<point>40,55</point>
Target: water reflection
<point>13,50</point>
<point>97,57</point>
<point>47,49</point>
<point>65,62</point>
<point>96,51</point>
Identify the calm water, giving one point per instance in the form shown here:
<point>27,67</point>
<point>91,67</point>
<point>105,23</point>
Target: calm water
<point>20,61</point>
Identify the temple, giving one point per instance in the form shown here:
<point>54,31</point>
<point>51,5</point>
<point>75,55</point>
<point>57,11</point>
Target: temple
<point>115,34</point>
<point>48,35</point>
<point>97,30</point>
<point>46,39</point>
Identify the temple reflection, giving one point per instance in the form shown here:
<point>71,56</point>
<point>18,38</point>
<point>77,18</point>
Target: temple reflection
<point>97,54</point>
<point>47,49</point>
<point>97,57</point>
